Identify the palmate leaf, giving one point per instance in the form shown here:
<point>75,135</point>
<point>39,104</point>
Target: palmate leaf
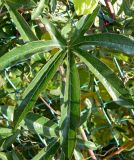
<point>70,111</point>
<point>108,40</point>
<point>38,84</point>
<point>41,125</point>
<point>21,24</point>
<point>107,77</point>
<point>21,53</point>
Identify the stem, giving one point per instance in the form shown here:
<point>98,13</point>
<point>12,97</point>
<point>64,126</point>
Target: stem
<point>110,7</point>
<point>120,149</point>
<point>84,137</point>
<point>43,100</point>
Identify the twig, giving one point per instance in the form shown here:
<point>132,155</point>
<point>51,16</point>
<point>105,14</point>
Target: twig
<point>41,25</point>
<point>62,72</point>
<point>43,100</point>
<point>120,149</point>
<point>110,7</point>
<point>84,137</point>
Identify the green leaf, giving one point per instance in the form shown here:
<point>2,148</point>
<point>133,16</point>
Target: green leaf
<point>5,156</point>
<point>41,125</point>
<point>85,144</point>
<point>108,40</point>
<point>6,143</point>
<point>47,152</point>
<point>78,155</point>
<point>83,7</point>
<point>127,8</point>
<point>53,4</point>
<point>16,155</point>
<point>70,111</point>
<point>21,24</point>
<point>38,84</point>
<point>5,132</point>
<point>22,4</point>
<point>84,24</point>
<point>37,12</point>
<point>107,77</point>
<point>86,112</point>
<point>53,31</point>
<point>7,111</point>
<point>21,53</point>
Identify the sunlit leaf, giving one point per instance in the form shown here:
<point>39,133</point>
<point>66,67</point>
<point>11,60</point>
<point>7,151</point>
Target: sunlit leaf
<point>41,125</point>
<point>108,40</point>
<point>83,7</point>
<point>107,77</point>
<point>38,84</point>
<point>21,24</point>
<point>84,24</point>
<point>38,10</point>
<point>23,52</point>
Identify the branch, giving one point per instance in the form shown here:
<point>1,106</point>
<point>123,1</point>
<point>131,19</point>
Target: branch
<point>110,7</point>
<point>84,137</point>
<point>120,149</point>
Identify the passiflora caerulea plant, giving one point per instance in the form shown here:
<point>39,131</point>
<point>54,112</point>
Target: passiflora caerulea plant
<point>77,46</point>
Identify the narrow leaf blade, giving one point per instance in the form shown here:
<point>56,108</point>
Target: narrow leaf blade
<point>38,10</point>
<point>36,86</point>
<point>108,40</point>
<point>84,24</point>
<point>107,77</point>
<point>53,31</point>
<point>21,24</point>
<point>47,152</point>
<point>41,125</point>
<point>21,53</point>
<point>71,110</point>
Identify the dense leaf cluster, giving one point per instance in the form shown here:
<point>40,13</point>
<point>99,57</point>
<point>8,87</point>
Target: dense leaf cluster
<point>66,80</point>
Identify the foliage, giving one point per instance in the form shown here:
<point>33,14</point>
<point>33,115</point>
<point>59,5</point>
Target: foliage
<point>65,71</point>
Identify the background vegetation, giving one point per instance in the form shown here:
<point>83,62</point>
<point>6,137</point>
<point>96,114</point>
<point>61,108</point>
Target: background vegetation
<point>66,79</point>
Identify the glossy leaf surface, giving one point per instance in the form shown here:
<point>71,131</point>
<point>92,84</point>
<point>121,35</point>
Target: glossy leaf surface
<point>36,86</point>
<point>107,77</point>
<point>71,110</point>
<point>84,24</point>
<point>41,125</point>
<point>21,24</point>
<point>21,53</point>
<point>108,40</point>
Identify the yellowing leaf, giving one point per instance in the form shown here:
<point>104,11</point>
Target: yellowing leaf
<point>46,36</point>
<point>83,7</point>
<point>87,95</point>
